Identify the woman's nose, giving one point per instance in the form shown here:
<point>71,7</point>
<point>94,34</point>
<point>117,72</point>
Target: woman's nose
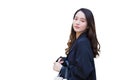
<point>77,22</point>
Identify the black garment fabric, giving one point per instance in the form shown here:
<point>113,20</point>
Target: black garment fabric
<point>81,60</point>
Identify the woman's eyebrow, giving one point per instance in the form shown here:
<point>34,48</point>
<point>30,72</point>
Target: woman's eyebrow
<point>83,18</point>
<point>80,18</point>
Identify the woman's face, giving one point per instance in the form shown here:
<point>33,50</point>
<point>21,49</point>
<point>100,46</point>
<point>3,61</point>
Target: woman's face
<point>79,22</point>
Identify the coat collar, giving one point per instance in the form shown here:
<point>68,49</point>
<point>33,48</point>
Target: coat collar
<point>81,36</point>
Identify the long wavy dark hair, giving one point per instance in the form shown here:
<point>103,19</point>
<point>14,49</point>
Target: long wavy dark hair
<point>91,32</point>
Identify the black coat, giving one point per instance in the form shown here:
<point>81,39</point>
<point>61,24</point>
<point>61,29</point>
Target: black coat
<point>81,60</point>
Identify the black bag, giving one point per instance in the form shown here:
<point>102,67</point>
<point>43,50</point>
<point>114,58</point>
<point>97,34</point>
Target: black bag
<point>65,66</point>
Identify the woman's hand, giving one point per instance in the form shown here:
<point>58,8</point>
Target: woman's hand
<point>58,65</point>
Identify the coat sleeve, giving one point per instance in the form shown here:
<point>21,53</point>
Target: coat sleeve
<point>62,72</point>
<point>83,63</point>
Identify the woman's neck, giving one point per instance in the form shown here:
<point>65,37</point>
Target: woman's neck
<point>77,34</point>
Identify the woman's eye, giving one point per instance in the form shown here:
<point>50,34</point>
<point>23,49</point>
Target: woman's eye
<point>82,21</point>
<point>75,19</point>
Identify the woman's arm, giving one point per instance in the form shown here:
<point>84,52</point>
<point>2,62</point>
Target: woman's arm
<point>83,62</point>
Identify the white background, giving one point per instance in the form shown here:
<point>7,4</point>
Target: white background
<point>34,33</point>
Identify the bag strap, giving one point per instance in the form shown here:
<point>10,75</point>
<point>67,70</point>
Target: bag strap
<point>66,72</point>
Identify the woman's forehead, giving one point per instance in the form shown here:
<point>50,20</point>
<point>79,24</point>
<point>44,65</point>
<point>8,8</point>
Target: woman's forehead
<point>80,14</point>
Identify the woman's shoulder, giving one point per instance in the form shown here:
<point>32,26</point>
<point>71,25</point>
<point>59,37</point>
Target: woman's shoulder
<point>83,39</point>
<point>83,42</point>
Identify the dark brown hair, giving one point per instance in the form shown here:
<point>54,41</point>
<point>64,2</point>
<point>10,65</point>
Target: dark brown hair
<point>91,32</point>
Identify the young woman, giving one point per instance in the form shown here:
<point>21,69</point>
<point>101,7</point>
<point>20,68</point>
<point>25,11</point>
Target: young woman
<point>83,47</point>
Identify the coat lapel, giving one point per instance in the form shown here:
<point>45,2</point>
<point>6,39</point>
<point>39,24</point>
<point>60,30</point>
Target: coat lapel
<point>73,46</point>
